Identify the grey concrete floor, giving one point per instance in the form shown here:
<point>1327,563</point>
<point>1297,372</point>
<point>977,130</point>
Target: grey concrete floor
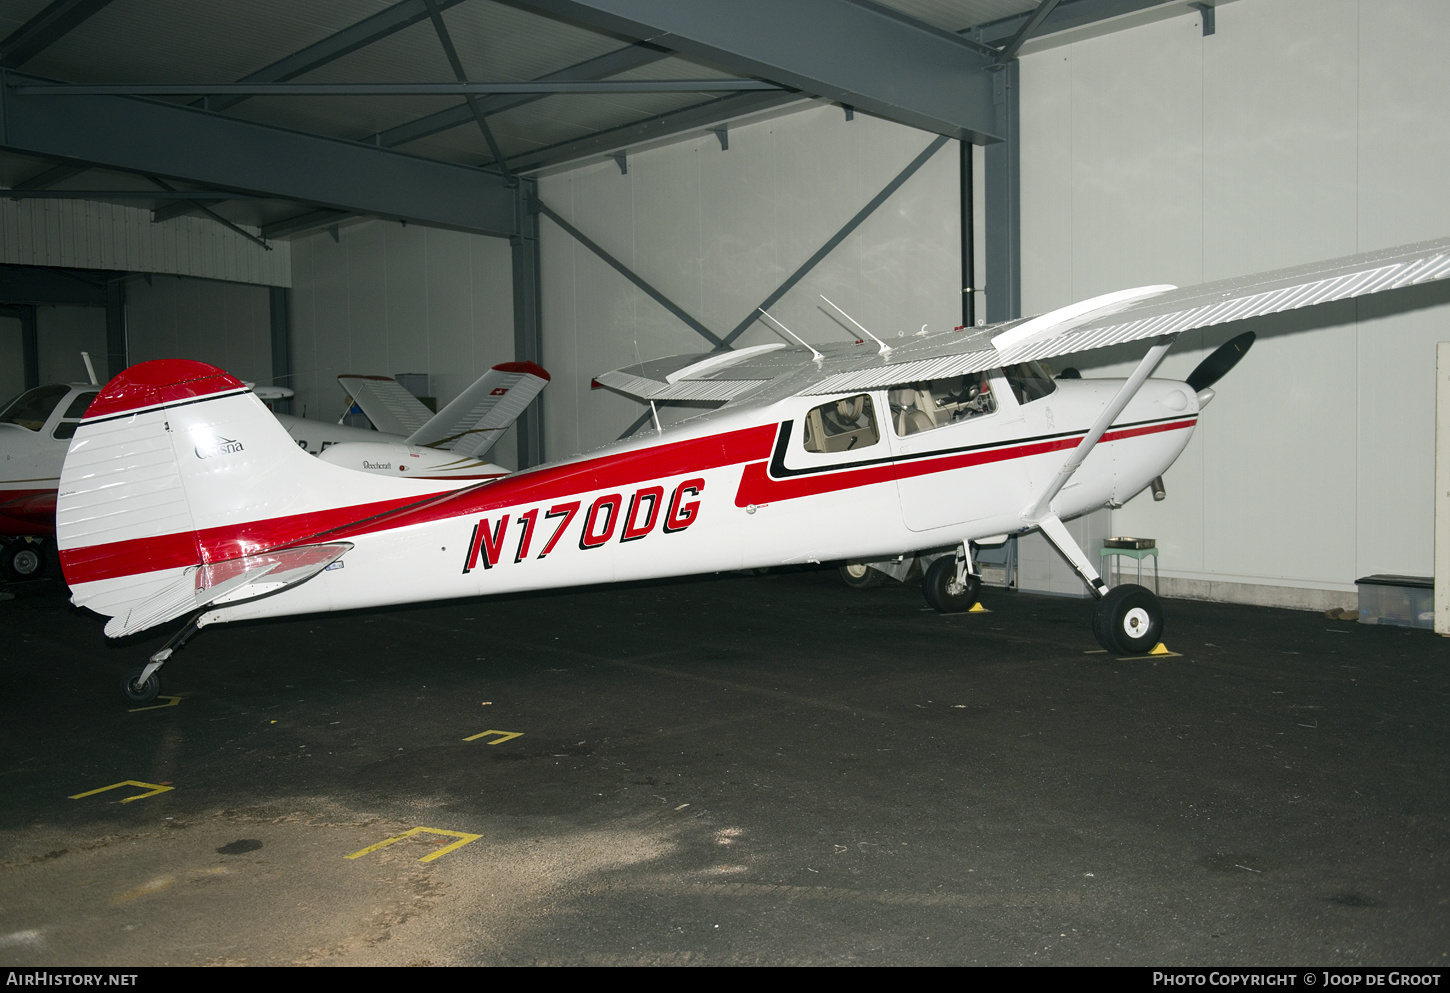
<point>728,770</point>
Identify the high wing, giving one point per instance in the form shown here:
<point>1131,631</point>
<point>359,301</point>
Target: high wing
<point>1116,318</point>
<point>391,408</point>
<point>480,415</point>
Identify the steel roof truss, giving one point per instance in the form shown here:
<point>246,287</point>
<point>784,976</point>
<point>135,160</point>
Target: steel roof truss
<point>870,59</point>
<point>620,60</point>
<point>335,46</point>
<point>44,29</point>
<point>180,143</point>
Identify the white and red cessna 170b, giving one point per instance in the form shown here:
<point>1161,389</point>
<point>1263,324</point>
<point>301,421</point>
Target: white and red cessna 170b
<point>181,496</point>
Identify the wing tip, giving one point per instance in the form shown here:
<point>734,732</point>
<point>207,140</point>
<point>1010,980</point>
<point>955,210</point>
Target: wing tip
<point>528,368</point>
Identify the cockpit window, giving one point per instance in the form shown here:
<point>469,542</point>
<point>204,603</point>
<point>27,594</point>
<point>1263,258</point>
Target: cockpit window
<point>77,408</point>
<point>841,425</point>
<point>924,406</point>
<point>1029,381</point>
<point>66,429</point>
<point>33,408</point>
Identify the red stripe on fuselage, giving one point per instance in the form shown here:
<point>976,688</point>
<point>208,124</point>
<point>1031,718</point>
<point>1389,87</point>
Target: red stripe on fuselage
<point>114,559</point>
<point>140,555</point>
<point>606,472</point>
<point>27,512</point>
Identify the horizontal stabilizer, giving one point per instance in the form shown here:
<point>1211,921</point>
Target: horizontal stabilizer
<point>225,582</point>
<point>390,407</point>
<point>475,420</point>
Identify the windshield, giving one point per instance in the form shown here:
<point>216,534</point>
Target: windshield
<point>32,408</point>
<point>1029,381</point>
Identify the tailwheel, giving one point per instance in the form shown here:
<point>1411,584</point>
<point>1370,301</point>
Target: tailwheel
<point>945,592</point>
<point>141,691</point>
<point>1129,620</point>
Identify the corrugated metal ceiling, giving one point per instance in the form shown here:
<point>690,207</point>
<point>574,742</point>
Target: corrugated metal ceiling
<point>224,41</point>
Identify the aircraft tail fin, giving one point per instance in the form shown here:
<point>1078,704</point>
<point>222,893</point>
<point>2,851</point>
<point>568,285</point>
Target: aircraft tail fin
<point>180,489</point>
<point>475,420</point>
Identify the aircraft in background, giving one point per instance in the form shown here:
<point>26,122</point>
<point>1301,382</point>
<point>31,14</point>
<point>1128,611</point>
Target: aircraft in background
<point>410,439</point>
<point>182,498</point>
<point>36,428</point>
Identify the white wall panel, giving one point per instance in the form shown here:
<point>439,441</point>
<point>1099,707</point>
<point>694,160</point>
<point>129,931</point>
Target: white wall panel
<point>716,231</point>
<point>387,298</point>
<point>1395,439</point>
<point>226,324</point>
<point>1045,106</point>
<point>740,261</point>
<point>1280,134</point>
<point>1137,138</point>
<point>12,359</point>
<point>1322,131</point>
<point>1404,121</point>
<point>79,234</point>
<point>62,333</point>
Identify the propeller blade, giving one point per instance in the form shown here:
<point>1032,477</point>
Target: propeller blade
<point>1217,365</point>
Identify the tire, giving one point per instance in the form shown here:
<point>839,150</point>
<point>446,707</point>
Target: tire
<point>859,576</point>
<point>24,560</point>
<point>138,693</point>
<point>944,593</point>
<point>1129,620</point>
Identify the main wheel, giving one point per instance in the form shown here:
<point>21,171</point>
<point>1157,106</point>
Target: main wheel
<point>1129,620</point>
<point>942,590</point>
<point>860,576</point>
<point>23,560</point>
<point>138,692</point>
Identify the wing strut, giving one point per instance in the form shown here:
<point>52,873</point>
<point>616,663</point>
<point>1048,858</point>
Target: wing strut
<point>1056,532</point>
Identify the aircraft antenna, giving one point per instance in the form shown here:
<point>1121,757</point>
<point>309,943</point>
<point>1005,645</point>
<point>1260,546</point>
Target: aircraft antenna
<point>885,348</point>
<point>90,369</point>
<point>788,331</point>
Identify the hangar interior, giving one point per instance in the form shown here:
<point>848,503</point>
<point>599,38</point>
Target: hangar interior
<point>297,190</point>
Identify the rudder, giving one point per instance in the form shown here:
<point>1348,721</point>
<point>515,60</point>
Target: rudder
<point>177,477</point>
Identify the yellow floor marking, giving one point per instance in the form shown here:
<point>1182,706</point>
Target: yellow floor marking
<point>466,838</point>
<point>507,735</point>
<point>154,788</point>
<point>157,706</point>
<point>154,886</point>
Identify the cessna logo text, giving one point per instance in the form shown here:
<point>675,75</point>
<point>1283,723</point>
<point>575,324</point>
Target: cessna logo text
<point>611,515</point>
<point>217,446</point>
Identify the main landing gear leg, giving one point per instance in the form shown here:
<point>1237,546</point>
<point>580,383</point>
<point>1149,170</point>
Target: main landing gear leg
<point>1129,618</point>
<point>144,685</point>
<point>951,583</point>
